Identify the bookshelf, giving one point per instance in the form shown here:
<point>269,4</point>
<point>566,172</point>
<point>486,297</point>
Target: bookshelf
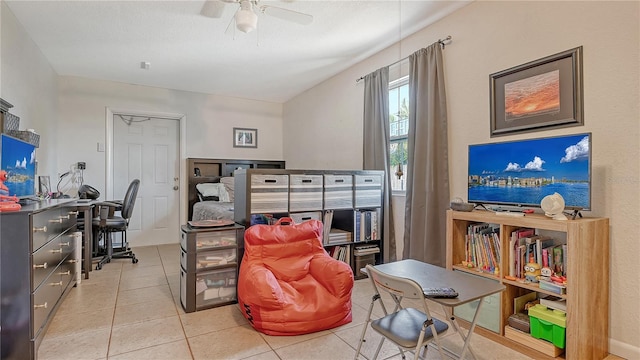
<point>587,272</point>
<point>349,203</point>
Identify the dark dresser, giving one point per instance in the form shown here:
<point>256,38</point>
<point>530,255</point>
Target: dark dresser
<point>37,270</point>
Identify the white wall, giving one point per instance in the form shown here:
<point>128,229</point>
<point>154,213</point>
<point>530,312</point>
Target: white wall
<point>489,36</point>
<point>209,121</point>
<point>29,83</point>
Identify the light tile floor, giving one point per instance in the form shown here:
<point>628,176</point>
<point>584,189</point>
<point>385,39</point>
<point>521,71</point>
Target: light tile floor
<point>133,311</point>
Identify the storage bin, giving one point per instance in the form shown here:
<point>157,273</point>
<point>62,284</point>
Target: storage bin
<point>305,192</point>
<point>28,136</point>
<point>304,216</point>
<point>195,241</point>
<point>548,324</point>
<point>8,122</point>
<point>208,289</point>
<point>361,262</point>
<point>269,194</point>
<point>208,259</point>
<point>338,192</point>
<point>368,191</point>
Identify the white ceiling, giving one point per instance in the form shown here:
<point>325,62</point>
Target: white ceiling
<point>187,51</point>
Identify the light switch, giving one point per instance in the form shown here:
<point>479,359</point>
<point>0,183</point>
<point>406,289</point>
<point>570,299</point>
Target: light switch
<point>100,147</point>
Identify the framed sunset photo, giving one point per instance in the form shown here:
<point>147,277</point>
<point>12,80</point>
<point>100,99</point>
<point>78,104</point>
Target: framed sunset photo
<point>542,94</point>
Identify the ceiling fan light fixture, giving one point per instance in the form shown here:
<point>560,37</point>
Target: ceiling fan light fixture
<point>246,18</point>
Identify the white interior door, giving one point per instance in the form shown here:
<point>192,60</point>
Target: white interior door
<point>147,149</point>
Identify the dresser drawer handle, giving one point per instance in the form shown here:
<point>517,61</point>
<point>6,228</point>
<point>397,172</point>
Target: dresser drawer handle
<point>40,229</point>
<point>43,266</point>
<point>59,283</point>
<point>65,217</point>
<point>68,272</point>
<point>56,251</point>
<point>43,306</point>
<point>59,221</point>
<point>65,244</point>
<point>73,261</point>
<point>73,213</point>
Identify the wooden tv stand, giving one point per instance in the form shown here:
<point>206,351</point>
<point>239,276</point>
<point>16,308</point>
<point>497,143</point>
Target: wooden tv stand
<point>587,270</point>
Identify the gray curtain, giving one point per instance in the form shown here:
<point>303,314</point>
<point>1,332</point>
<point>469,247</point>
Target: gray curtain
<point>376,146</point>
<point>428,172</point>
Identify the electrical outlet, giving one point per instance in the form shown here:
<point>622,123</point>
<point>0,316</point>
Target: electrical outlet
<point>82,165</point>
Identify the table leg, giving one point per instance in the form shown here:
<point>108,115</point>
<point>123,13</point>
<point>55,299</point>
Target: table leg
<point>88,241</point>
<point>467,339</point>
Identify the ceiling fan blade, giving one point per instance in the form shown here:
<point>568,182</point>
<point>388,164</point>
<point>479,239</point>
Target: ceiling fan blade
<point>212,8</point>
<point>286,14</point>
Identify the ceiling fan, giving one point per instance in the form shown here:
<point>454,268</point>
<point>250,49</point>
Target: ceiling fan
<point>246,17</point>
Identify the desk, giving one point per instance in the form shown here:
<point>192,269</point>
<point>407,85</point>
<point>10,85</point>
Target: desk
<point>87,209</point>
<point>469,289</point>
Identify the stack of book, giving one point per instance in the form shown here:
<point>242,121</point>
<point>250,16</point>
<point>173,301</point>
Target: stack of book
<point>339,236</point>
<point>366,250</point>
<point>554,302</point>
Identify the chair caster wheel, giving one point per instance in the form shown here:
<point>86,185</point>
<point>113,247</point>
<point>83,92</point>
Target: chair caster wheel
<point>98,267</point>
<point>134,260</point>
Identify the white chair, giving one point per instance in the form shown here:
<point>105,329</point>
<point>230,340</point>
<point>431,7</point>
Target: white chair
<point>410,329</point>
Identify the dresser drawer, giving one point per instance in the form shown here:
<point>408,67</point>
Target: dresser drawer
<point>305,192</point>
<point>269,194</point>
<point>45,298</point>
<point>368,191</point>
<point>44,230</point>
<point>67,271</point>
<point>202,240</point>
<point>45,260</point>
<point>338,192</point>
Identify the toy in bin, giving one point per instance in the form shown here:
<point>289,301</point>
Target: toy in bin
<point>7,202</point>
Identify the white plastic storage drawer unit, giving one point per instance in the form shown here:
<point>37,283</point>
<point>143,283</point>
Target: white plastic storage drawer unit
<point>338,192</point>
<point>368,191</point>
<point>305,192</point>
<point>209,258</point>
<point>269,193</point>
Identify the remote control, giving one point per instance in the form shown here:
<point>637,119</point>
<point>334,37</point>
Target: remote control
<point>509,213</point>
<point>442,292</point>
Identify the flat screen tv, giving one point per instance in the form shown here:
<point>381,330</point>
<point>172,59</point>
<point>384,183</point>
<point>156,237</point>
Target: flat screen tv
<point>18,159</point>
<point>521,173</point>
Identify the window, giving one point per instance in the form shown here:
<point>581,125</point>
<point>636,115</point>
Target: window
<point>398,130</point>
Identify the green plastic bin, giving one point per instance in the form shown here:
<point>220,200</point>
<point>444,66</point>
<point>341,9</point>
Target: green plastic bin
<point>548,324</point>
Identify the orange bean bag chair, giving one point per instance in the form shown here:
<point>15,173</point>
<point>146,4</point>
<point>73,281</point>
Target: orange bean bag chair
<point>288,284</point>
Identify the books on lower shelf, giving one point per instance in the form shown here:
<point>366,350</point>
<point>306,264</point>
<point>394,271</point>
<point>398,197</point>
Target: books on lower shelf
<point>366,250</point>
<point>341,253</point>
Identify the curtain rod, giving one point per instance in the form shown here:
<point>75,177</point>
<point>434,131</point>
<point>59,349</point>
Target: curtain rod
<point>442,42</point>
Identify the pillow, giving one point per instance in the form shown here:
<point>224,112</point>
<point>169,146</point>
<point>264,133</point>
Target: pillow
<point>209,190</point>
<point>229,183</point>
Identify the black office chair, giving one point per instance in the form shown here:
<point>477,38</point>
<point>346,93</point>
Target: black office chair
<point>105,224</point>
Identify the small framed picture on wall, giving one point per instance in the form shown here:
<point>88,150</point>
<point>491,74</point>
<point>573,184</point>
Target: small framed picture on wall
<point>245,138</point>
